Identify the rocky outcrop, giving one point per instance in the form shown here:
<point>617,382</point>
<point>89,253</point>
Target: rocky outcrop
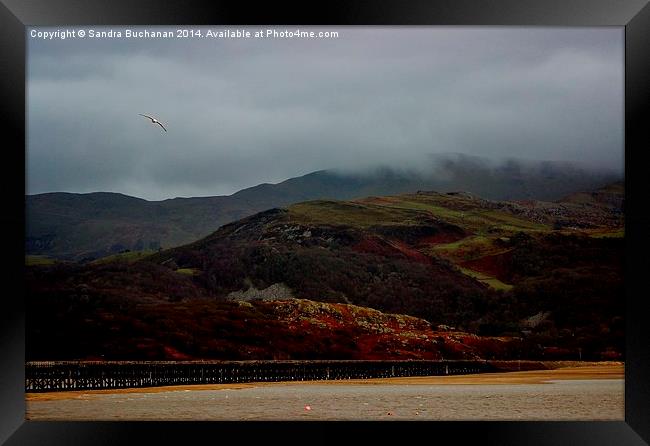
<point>275,291</point>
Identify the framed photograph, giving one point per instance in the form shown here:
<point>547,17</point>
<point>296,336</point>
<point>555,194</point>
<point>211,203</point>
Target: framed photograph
<point>322,220</point>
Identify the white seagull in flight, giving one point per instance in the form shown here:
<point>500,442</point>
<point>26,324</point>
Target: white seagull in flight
<point>154,121</point>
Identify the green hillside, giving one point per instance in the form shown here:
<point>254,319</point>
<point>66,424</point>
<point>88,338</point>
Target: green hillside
<point>539,276</point>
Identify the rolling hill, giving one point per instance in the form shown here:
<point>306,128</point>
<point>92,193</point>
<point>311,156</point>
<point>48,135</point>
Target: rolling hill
<point>495,279</point>
<point>88,226</point>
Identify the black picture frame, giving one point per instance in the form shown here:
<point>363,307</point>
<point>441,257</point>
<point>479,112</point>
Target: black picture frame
<point>634,15</point>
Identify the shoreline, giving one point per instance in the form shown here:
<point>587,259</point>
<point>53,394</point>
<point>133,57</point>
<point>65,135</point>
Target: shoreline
<point>588,371</point>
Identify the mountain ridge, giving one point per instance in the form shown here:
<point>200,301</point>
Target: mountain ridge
<point>76,226</point>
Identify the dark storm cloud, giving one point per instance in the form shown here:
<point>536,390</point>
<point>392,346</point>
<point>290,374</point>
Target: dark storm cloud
<point>243,112</point>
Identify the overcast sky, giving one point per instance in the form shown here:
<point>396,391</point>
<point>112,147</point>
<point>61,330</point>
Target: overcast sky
<point>240,112</point>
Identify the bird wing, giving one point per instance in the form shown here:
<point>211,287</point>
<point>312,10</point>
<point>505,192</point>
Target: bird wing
<point>161,125</point>
<point>147,116</point>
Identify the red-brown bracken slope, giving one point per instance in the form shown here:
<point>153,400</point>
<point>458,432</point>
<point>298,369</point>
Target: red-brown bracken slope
<point>382,277</point>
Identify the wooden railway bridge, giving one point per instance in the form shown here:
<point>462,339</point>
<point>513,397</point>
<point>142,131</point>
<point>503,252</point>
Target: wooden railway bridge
<point>48,376</point>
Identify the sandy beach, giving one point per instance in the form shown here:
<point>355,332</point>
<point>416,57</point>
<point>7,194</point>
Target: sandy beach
<point>566,391</point>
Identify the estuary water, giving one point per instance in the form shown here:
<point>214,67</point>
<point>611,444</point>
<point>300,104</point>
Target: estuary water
<point>574,399</point>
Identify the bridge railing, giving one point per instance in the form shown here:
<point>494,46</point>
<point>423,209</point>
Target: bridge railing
<point>46,376</point>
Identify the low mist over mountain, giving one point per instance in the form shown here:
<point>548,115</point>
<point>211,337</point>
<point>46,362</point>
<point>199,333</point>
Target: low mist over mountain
<point>87,226</point>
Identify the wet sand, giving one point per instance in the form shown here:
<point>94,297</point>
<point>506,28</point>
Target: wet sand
<point>590,371</point>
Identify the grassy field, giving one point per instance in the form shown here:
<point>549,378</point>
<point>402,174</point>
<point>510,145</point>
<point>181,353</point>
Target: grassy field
<point>130,256</point>
<point>356,215</point>
<point>411,209</point>
<point>188,271</point>
<point>486,279</point>
<point>476,220</point>
<point>32,260</point>
<point>469,248</point>
<point>603,233</point>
